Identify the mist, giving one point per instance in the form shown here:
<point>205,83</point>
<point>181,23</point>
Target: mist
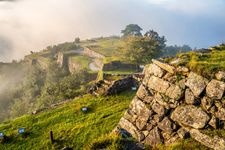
<point>32,25</point>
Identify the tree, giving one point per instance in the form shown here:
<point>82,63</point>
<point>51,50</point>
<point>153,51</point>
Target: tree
<point>141,49</point>
<point>173,50</point>
<point>77,40</point>
<point>154,36</point>
<point>132,30</point>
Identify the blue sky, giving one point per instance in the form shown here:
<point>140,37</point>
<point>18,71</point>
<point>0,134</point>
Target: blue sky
<point>33,24</point>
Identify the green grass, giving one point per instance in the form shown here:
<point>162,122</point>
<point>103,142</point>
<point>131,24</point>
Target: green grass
<point>206,64</point>
<point>105,46</point>
<point>71,127</point>
<point>82,61</point>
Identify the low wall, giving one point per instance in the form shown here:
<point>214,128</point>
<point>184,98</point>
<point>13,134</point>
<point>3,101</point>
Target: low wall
<point>174,103</point>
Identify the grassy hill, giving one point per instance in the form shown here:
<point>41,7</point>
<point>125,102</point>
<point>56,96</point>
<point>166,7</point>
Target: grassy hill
<point>205,63</point>
<point>71,127</point>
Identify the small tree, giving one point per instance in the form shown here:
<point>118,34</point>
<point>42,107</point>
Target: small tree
<point>77,40</point>
<point>132,30</point>
<point>141,49</point>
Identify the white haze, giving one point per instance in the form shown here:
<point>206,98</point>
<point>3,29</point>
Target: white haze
<point>31,25</point>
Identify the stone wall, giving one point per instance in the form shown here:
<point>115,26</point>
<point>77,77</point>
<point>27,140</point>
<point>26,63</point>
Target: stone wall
<point>61,59</point>
<point>174,103</point>
<point>92,54</point>
<point>105,87</point>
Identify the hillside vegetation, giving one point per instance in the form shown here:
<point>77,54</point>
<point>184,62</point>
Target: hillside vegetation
<point>71,127</point>
<point>205,62</point>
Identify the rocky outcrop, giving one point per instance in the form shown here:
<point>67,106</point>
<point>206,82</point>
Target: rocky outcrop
<point>104,87</point>
<point>173,103</point>
<point>191,116</point>
<point>211,142</point>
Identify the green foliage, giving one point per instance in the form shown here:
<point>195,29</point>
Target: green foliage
<point>70,126</point>
<point>66,88</point>
<point>26,87</point>
<point>140,50</point>
<point>132,30</point>
<point>100,75</point>
<point>207,64</point>
<point>62,47</point>
<point>112,142</point>
<point>82,62</point>
<point>108,47</point>
<point>77,40</point>
<point>173,50</point>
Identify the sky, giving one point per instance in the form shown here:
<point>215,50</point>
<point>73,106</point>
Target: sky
<point>32,25</point>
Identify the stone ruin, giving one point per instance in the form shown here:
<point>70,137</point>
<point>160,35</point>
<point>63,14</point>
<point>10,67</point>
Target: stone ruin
<point>174,103</point>
<point>105,87</point>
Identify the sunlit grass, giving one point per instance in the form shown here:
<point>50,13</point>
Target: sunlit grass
<point>71,127</point>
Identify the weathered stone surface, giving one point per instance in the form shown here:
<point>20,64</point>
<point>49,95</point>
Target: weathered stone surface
<point>164,66</point>
<point>166,135</point>
<point>146,79</point>
<point>159,109</point>
<point>213,122</point>
<point>182,69</point>
<point>154,137</point>
<point>161,100</point>
<point>157,118</point>
<point>146,132</point>
<point>130,116</point>
<point>174,92</point>
<point>129,127</point>
<point>156,70</point>
<point>139,108</point>
<point>181,83</point>
<point>168,76</point>
<point>220,114</point>
<point>144,94</point>
<point>182,133</point>
<point>218,104</point>
<point>196,83</point>
<point>215,143</point>
<point>161,114</point>
<point>190,116</point>
<point>213,110</point>
<point>206,103</point>
<point>189,97</point>
<point>173,139</point>
<point>167,125</point>
<point>149,126</point>
<point>220,75</point>
<point>142,120</point>
<point>215,89</point>
<point>158,84</point>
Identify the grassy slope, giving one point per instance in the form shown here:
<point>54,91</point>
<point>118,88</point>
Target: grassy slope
<point>83,61</point>
<point>71,127</point>
<point>105,46</point>
<point>206,64</point>
<point>110,48</point>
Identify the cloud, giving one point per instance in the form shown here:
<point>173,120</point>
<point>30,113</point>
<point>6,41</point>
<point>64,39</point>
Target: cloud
<point>31,25</point>
<point>8,0</point>
<point>194,7</point>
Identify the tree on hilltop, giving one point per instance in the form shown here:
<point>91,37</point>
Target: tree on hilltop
<point>141,49</point>
<point>132,30</point>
